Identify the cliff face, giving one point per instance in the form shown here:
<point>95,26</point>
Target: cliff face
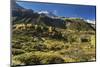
<point>22,15</point>
<point>14,5</point>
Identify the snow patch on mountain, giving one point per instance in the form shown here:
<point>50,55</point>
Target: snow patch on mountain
<point>90,21</point>
<point>48,13</point>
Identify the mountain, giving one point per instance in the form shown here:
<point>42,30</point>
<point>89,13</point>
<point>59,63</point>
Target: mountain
<point>78,24</point>
<point>19,13</point>
<point>47,13</point>
<point>92,23</point>
<point>22,15</point>
<point>14,5</point>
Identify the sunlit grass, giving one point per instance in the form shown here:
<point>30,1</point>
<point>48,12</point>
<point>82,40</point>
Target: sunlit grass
<point>29,49</point>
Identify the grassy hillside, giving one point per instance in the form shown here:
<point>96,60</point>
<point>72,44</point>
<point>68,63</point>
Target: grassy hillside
<point>42,44</point>
<point>78,24</point>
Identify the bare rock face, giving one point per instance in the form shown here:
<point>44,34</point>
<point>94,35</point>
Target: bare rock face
<point>14,5</point>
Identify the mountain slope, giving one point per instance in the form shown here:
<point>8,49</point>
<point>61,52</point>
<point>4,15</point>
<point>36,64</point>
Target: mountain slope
<point>22,15</point>
<point>78,24</point>
<point>14,5</point>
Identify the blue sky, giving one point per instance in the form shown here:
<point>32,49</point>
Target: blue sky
<point>68,10</point>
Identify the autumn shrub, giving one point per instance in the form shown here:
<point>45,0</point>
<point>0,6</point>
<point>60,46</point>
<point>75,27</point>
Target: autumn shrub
<point>17,45</point>
<point>55,59</point>
<point>28,46</point>
<point>54,45</point>
<point>72,38</point>
<point>39,58</point>
<point>17,51</point>
<point>27,58</point>
<point>57,47</point>
<point>86,57</point>
<point>34,46</point>
<point>40,46</point>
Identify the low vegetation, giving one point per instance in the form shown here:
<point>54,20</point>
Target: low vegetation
<point>41,44</point>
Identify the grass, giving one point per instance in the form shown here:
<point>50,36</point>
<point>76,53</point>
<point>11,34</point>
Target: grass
<point>29,49</point>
